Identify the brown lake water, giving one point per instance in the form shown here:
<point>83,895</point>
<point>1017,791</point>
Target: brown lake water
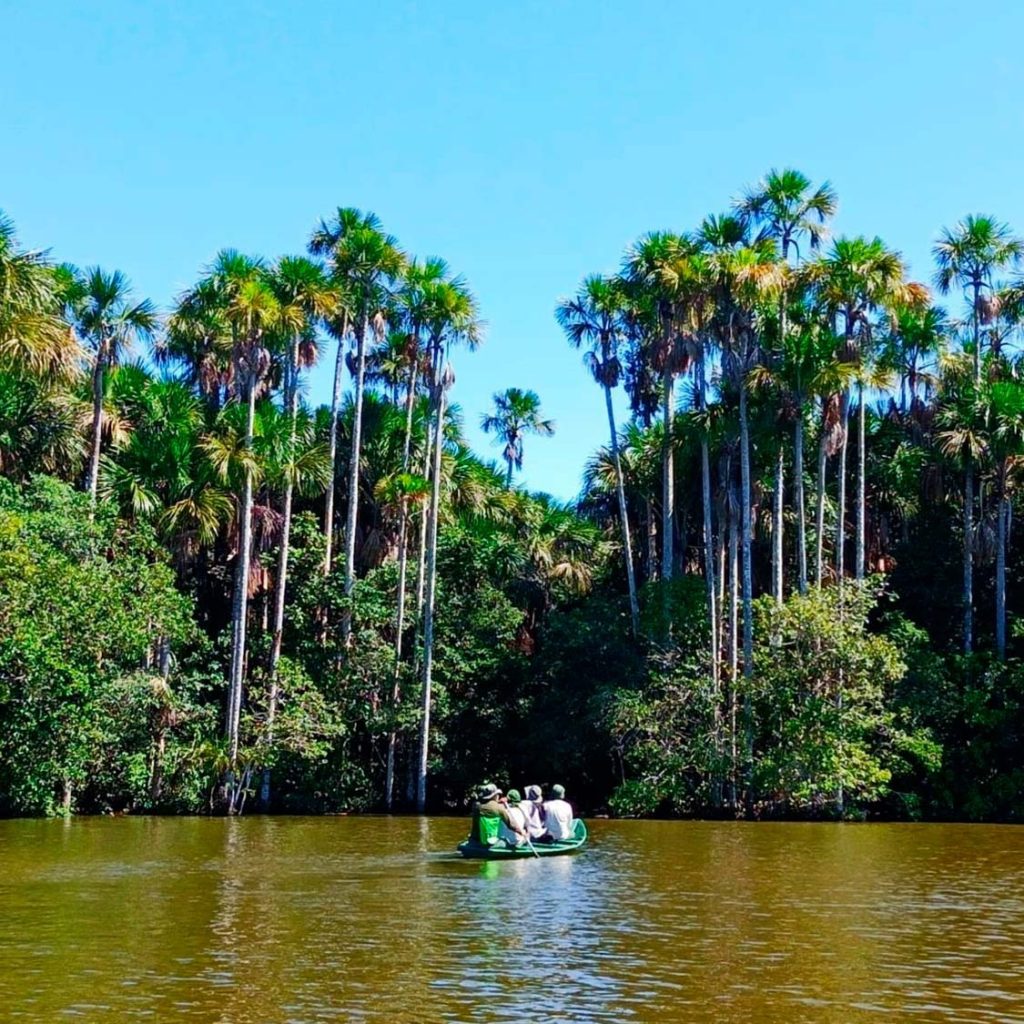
<point>302,920</point>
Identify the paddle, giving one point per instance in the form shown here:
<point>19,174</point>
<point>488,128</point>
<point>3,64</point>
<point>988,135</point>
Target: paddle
<point>530,845</point>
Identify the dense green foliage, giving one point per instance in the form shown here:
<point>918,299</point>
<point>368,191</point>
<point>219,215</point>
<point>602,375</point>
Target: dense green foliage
<point>772,597</point>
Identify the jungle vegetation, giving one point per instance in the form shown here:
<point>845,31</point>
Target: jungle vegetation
<point>787,586</point>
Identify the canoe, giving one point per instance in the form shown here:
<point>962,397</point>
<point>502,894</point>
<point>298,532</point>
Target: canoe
<point>471,848</point>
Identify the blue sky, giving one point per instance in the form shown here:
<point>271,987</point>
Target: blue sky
<point>528,143</point>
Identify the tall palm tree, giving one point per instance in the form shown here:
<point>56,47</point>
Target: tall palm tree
<point>593,318</point>
<point>368,261</point>
<point>746,275</point>
<point>242,288</point>
<point>305,298</point>
<point>452,318</point>
<point>658,265</point>
<point>855,279</point>
<point>970,255</point>
<point>516,414</point>
<point>963,436</point>
<point>789,209</point>
<point>197,337</point>
<point>412,308</point>
<point>321,243</point>
<point>100,307</point>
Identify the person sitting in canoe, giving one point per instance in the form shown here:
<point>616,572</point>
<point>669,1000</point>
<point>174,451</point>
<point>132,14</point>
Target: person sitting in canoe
<point>531,808</point>
<point>516,833</point>
<point>488,815</point>
<point>557,817</point>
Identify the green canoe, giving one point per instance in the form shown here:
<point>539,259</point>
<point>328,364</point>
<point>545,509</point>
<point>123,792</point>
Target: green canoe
<point>471,848</point>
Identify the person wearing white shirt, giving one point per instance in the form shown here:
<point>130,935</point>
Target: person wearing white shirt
<point>531,808</point>
<point>557,817</point>
<point>516,834</point>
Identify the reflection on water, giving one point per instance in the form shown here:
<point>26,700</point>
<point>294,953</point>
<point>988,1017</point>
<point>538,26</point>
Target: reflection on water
<point>372,919</point>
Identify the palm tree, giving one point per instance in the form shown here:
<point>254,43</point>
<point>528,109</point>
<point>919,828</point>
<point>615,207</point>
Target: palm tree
<point>915,339</point>
<point>306,298</point>
<point>323,240</point>
<point>658,269</point>
<point>788,209</point>
<point>970,255</point>
<point>158,470</point>
<point>452,318</point>
<point>241,286</point>
<point>368,261</point>
<point>857,278</point>
<point>34,338</point>
<point>40,428</point>
<point>412,307</point>
<point>99,305</point>
<point>593,318</point>
<point>198,338</point>
<point>746,274</point>
<point>516,414</point>
<point>962,436</point>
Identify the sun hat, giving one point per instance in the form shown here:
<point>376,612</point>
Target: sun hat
<point>533,793</point>
<point>557,791</point>
<point>513,796</point>
<point>488,791</point>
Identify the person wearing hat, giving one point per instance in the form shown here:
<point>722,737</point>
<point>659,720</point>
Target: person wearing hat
<point>488,815</point>
<point>557,817</point>
<point>531,808</point>
<point>513,834</point>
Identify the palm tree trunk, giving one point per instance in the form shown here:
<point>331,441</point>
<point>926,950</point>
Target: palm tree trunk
<point>428,604</point>
<point>977,332</point>
<point>240,597</point>
<point>968,595</point>
<point>709,585</point>
<point>292,405</point>
<point>668,503</point>
<point>844,415</point>
<point>745,515</point>
<point>339,363</point>
<point>93,476</point>
<point>748,594</point>
<point>709,566</point>
<point>734,626</point>
<point>780,468</point>
<point>721,548</point>
<point>627,546</point>
<point>709,556</point>
<point>353,478</point>
<point>819,568</point>
<point>968,589</point>
<point>798,496</point>
<point>861,484</point>
<point>777,507</point>
<point>403,563</point>
<point>1001,542</point>
<point>421,565</point>
<point>651,559</point>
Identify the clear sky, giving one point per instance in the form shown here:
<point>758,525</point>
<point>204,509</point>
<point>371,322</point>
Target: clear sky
<point>528,143</point>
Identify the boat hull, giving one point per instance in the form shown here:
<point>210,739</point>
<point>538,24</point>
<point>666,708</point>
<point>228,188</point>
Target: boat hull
<point>474,851</point>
